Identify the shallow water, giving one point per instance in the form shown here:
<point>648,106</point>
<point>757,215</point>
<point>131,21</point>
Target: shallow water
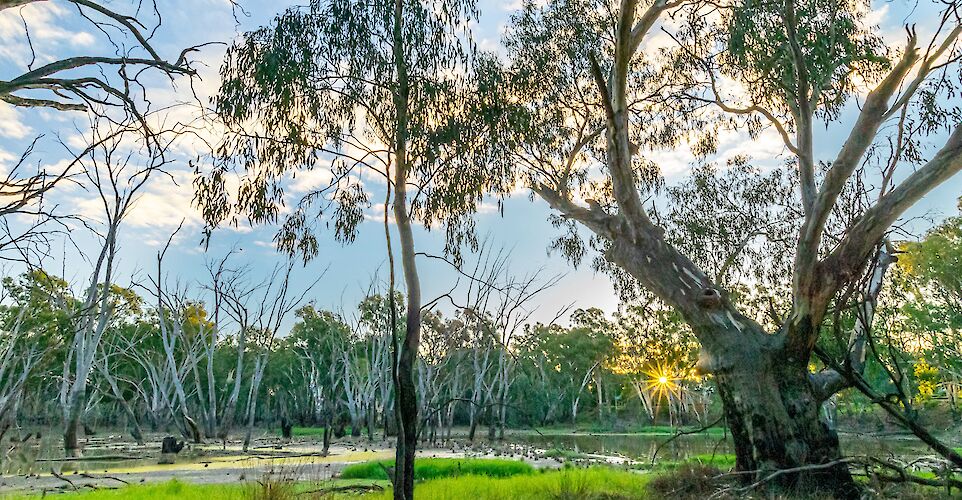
<point>642,446</point>
<point>46,454</point>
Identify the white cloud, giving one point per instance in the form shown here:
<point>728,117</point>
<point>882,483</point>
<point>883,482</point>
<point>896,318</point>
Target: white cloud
<point>165,203</point>
<point>11,123</point>
<point>764,151</point>
<point>306,181</point>
<point>47,37</point>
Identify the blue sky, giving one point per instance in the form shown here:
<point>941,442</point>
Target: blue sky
<point>522,227</point>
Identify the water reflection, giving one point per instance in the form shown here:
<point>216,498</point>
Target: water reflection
<point>642,446</point>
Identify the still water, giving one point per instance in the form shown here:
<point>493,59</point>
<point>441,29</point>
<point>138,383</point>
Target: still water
<point>643,446</point>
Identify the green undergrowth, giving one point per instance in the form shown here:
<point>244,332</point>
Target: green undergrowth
<point>171,490</point>
<point>723,461</point>
<point>435,468</point>
<point>569,483</point>
<point>565,484</point>
<point>309,431</point>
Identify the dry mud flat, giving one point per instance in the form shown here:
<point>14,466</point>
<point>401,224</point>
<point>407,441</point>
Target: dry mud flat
<point>113,464</point>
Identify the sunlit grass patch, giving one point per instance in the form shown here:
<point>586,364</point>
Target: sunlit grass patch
<point>569,483</point>
<point>722,461</point>
<point>170,490</point>
<point>565,484</point>
<point>434,468</point>
<point>591,483</point>
<point>251,490</point>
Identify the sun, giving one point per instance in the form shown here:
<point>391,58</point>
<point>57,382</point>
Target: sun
<point>663,381</point>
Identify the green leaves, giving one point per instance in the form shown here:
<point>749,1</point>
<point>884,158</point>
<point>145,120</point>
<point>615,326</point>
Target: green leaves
<point>323,89</point>
<point>794,54</point>
<point>935,261</point>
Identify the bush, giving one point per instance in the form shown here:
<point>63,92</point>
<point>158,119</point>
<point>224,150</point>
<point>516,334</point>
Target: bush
<point>690,480</point>
<point>434,468</point>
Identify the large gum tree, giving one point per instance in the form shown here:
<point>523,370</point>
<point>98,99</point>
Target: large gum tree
<point>354,91</point>
<point>591,90</point>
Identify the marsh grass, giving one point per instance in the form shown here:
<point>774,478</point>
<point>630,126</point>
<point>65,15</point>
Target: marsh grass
<point>595,483</point>
<point>436,468</point>
<point>170,490</point>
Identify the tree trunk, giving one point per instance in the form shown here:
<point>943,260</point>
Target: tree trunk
<point>327,439</point>
<point>371,419</point>
<point>73,407</point>
<point>71,445</point>
<point>407,414</point>
<point>774,416</point>
<point>473,429</point>
<point>771,404</point>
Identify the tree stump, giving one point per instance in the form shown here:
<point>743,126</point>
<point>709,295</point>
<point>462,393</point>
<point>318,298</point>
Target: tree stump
<point>169,448</point>
<point>170,444</point>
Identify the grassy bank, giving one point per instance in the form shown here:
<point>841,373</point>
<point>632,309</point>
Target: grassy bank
<point>587,484</point>
<point>172,490</point>
<point>436,468</point>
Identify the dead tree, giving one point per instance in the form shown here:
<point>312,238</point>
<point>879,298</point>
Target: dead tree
<point>112,178</point>
<point>107,85</point>
<point>273,303</point>
<point>82,83</point>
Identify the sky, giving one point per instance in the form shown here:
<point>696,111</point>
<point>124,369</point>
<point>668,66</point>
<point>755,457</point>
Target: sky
<point>346,272</point>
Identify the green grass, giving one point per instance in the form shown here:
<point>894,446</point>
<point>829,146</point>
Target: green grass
<point>435,468</point>
<point>171,490</point>
<point>308,431</point>
<point>592,483</point>
<point>722,461</point>
<point>317,432</point>
<point>569,483</point>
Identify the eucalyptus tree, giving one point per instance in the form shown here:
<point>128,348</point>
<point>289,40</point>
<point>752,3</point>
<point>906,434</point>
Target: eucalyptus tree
<point>274,301</point>
<point>934,263</point>
<point>115,176</point>
<point>177,316</point>
<point>930,267</point>
<point>317,340</point>
<point>21,349</point>
<point>83,82</point>
<point>352,90</point>
<point>595,97</point>
<point>112,363</point>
